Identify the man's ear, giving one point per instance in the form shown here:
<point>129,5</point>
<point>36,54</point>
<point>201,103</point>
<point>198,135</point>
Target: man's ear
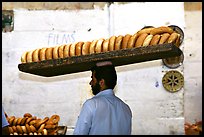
<point>102,82</point>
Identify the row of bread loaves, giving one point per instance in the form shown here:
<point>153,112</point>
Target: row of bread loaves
<point>144,37</point>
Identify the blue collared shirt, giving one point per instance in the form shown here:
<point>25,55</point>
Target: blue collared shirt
<point>4,120</point>
<point>104,114</point>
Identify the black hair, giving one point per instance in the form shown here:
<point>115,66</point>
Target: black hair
<point>108,73</point>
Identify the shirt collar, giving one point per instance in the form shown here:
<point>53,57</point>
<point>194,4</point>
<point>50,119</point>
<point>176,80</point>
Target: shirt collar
<point>105,92</point>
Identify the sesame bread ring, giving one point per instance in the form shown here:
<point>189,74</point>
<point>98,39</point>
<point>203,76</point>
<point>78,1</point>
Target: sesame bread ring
<point>164,38</point>
<point>15,133</point>
<point>50,126</point>
<point>155,39</point>
<point>11,119</point>
<point>161,30</point>
<point>125,41</point>
<point>27,115</point>
<point>44,132</point>
<point>61,51</point>
<point>30,56</point>
<point>27,128</point>
<point>55,52</point>
<point>118,42</point>
<point>105,45</point>
<point>172,38</point>
<point>28,120</point>
<point>99,44</point>
<point>92,46</point>
<point>23,121</point>
<point>112,43</point>
<point>15,121</point>
<point>147,40</point>
<point>34,117</point>
<point>178,40</point>
<point>141,39</point>
<point>49,122</point>
<point>24,57</point>
<point>79,48</point>
<point>49,53</point>
<point>85,48</point>
<point>36,55</point>
<point>24,129</point>
<point>32,129</point>
<point>72,51</point>
<point>40,122</point>
<point>41,128</point>
<point>33,122</point>
<point>11,130</point>
<point>132,40</point>
<point>19,121</point>
<point>31,133</point>
<point>145,30</point>
<point>55,118</point>
<point>14,129</point>
<point>19,129</point>
<point>66,50</point>
<point>42,54</point>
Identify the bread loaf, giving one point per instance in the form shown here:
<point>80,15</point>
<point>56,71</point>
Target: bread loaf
<point>55,52</point>
<point>99,45</point>
<point>72,51</point>
<point>85,48</point>
<point>118,42</point>
<point>141,39</point>
<point>79,48</point>
<point>105,45</point>
<point>92,46</point>
<point>125,41</point>
<point>147,40</point>
<point>66,52</point>
<point>42,54</point>
<point>164,38</point>
<point>145,37</point>
<point>155,39</point>
<point>61,51</point>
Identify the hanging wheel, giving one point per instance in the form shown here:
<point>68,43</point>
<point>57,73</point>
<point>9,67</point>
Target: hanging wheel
<point>173,81</point>
<point>173,62</point>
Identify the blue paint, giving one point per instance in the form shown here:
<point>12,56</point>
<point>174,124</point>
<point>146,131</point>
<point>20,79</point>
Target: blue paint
<point>58,38</point>
<point>157,84</point>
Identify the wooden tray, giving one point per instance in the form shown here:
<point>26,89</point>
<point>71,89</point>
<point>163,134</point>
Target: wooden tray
<point>55,67</point>
<point>62,130</point>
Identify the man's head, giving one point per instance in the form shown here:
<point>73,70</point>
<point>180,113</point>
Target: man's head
<point>103,77</point>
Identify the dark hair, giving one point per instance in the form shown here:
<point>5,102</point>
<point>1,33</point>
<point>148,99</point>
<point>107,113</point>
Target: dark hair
<point>108,73</point>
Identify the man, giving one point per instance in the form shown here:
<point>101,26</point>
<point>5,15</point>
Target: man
<point>5,124</point>
<point>104,114</point>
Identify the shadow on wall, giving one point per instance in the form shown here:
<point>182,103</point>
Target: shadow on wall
<point>36,78</point>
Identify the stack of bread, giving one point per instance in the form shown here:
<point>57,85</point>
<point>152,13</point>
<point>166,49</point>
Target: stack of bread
<point>31,125</point>
<point>145,37</point>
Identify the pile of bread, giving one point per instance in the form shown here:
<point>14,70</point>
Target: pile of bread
<point>31,125</point>
<point>145,37</point>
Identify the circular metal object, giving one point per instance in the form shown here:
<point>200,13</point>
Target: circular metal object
<point>173,62</point>
<point>178,30</point>
<point>173,81</point>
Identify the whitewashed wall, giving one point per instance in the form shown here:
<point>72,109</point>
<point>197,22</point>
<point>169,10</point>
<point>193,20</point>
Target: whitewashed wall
<point>155,111</point>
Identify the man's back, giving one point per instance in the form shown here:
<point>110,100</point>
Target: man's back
<point>107,115</point>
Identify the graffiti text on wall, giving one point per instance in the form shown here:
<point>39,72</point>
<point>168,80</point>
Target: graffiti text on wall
<point>60,38</point>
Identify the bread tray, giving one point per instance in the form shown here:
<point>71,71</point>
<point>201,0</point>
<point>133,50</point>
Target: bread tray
<point>61,66</point>
<point>62,130</point>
